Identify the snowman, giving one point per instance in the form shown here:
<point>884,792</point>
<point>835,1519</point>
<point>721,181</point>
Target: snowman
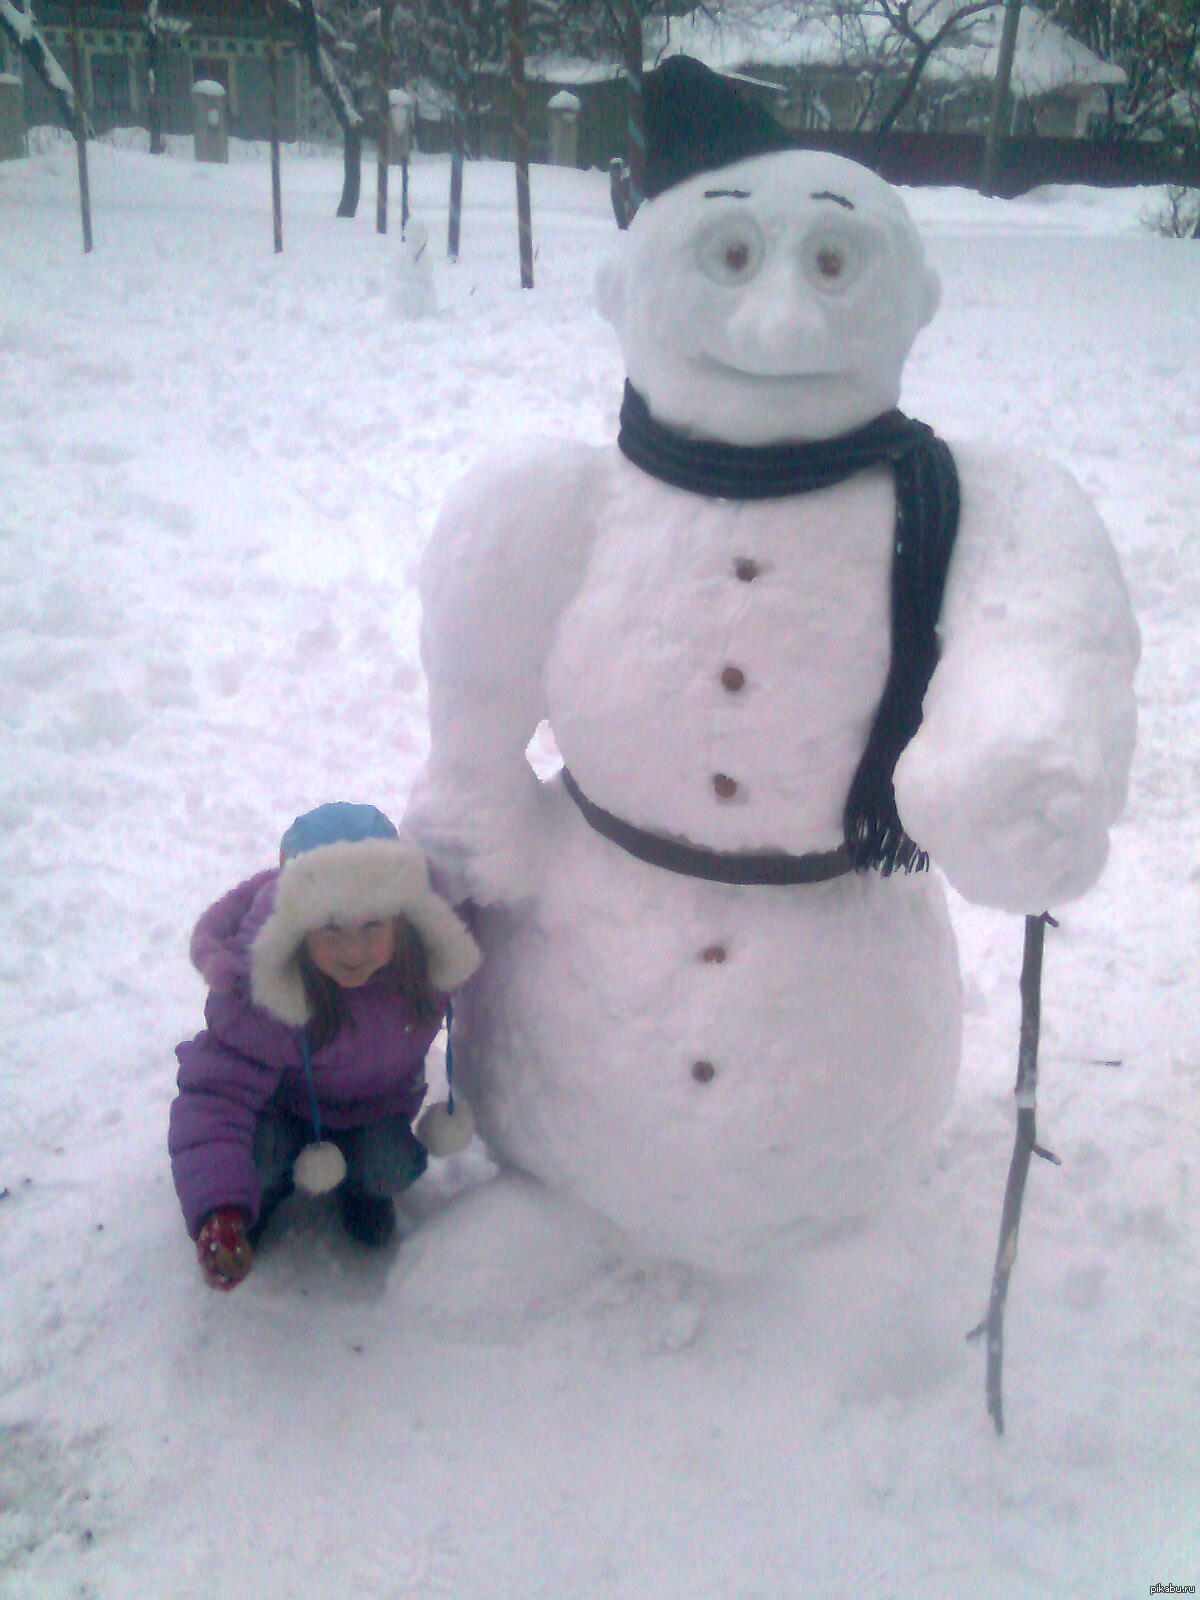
<point>793,649</point>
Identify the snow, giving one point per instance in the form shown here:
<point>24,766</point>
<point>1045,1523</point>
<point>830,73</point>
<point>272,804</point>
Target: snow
<point>221,467</point>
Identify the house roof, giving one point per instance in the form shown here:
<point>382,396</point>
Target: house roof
<point>1046,59</point>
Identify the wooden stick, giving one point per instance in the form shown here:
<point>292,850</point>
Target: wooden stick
<point>1024,1147</point>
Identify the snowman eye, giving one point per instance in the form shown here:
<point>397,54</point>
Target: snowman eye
<point>832,261</point>
<point>733,254</point>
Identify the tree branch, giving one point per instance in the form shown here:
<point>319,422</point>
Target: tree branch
<point>18,21</point>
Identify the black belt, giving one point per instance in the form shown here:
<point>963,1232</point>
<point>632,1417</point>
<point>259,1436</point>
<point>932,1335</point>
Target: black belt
<point>773,867</point>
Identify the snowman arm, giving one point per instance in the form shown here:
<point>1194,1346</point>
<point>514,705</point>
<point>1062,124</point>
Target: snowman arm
<point>505,558</point>
<point>1022,760</point>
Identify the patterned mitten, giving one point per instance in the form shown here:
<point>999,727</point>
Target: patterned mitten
<point>223,1249</point>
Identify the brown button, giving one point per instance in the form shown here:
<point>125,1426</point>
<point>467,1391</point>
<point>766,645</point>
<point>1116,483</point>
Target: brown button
<point>703,1071</point>
<point>714,954</point>
<point>724,786</point>
<point>746,570</point>
<point>733,679</point>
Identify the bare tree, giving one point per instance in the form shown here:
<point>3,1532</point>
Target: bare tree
<point>1157,44</point>
<point>159,33</point>
<point>620,28</point>
<point>921,28</point>
<point>319,38</point>
<point>886,46</point>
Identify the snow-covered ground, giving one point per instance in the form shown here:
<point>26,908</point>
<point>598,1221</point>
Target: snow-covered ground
<point>218,468</point>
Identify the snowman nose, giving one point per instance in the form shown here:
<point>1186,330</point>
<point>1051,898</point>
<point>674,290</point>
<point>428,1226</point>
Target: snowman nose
<point>779,327</point>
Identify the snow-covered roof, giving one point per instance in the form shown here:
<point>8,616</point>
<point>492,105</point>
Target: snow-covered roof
<point>1046,59</point>
<point>567,69</point>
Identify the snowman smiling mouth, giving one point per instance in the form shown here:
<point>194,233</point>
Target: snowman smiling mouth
<point>810,373</point>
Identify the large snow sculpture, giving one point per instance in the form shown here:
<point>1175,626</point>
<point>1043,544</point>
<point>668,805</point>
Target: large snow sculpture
<point>713,1002</point>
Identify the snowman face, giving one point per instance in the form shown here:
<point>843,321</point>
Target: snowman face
<point>774,299</point>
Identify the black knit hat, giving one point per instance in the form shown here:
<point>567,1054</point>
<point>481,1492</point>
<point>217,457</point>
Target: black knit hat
<point>697,121</point>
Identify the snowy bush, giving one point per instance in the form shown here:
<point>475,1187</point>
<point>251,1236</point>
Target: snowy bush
<point>1177,215</point>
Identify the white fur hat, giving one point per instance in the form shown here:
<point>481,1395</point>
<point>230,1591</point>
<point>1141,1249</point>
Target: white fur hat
<point>357,879</point>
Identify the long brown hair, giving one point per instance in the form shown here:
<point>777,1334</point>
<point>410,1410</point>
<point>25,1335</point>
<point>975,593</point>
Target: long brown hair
<point>407,973</point>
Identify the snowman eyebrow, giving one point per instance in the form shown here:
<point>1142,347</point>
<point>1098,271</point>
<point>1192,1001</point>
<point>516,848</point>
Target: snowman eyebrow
<point>838,199</point>
<point>727,194</point>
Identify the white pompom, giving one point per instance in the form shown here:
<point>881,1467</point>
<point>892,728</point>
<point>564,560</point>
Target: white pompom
<point>444,1132</point>
<point>319,1168</point>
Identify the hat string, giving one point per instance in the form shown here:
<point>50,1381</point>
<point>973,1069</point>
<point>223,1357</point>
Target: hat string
<point>449,1062</point>
<point>314,1110</point>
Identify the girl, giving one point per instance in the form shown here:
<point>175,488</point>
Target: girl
<point>328,979</point>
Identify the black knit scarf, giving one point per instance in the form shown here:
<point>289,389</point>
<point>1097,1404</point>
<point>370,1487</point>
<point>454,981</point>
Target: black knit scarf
<point>927,504</point>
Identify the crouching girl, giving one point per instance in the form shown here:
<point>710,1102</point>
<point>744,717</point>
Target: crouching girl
<point>328,980</point>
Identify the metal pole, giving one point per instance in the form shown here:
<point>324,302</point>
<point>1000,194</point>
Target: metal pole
<point>517,11</point>
<point>385,122</point>
<point>273,98</point>
<point>458,148</point>
<point>80,129</point>
<point>634,109</point>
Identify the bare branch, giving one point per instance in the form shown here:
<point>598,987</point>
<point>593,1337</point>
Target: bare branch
<point>18,21</point>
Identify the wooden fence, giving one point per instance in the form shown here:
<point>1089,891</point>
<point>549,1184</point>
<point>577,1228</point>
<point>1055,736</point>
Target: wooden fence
<point>1023,163</point>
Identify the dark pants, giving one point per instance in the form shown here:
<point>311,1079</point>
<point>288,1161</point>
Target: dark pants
<point>382,1158</point>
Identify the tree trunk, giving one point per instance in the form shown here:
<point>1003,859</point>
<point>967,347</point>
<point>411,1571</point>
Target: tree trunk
<point>905,92</point>
<point>348,118</point>
<point>351,171</point>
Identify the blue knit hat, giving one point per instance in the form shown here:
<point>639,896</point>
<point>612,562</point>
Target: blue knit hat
<point>335,822</point>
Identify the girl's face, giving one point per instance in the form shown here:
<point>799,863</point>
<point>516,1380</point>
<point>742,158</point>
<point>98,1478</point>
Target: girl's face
<point>351,953</point>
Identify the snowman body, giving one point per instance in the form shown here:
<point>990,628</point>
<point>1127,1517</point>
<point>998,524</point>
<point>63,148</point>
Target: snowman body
<point>709,1063</point>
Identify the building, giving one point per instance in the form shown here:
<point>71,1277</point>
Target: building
<point>841,72</point>
<point>225,41</point>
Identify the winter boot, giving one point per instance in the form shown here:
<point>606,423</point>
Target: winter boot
<point>369,1218</point>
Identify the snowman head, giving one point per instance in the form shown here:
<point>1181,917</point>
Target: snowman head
<point>763,299</point>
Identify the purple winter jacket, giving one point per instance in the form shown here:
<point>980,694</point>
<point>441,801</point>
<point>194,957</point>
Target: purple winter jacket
<point>244,1058</point>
